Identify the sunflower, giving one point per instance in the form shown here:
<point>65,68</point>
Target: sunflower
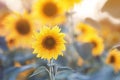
<point>11,42</point>
<point>96,41</point>
<point>86,29</point>
<point>20,29</point>
<point>113,59</point>
<point>90,35</point>
<point>49,43</point>
<point>49,12</point>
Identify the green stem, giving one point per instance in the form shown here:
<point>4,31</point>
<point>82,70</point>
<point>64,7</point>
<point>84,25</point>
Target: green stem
<point>52,77</point>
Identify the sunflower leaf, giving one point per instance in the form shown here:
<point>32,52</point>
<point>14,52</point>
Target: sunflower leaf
<point>106,72</point>
<point>39,70</point>
<point>61,69</point>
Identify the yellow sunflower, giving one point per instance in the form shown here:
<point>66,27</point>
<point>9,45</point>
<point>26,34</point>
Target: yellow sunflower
<point>49,43</point>
<point>113,59</point>
<point>49,12</point>
<point>20,29</point>
<point>96,41</point>
<point>11,42</point>
<point>86,29</point>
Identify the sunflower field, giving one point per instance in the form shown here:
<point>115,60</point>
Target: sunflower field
<point>59,40</point>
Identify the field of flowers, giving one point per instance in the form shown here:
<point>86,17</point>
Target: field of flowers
<point>59,40</point>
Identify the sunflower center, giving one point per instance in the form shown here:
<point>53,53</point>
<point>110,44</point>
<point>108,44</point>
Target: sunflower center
<point>11,41</point>
<point>112,59</point>
<point>50,9</point>
<point>49,42</point>
<point>23,27</point>
<point>94,43</point>
<point>83,30</point>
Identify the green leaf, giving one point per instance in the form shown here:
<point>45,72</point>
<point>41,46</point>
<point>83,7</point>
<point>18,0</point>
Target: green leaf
<point>39,70</point>
<point>62,69</point>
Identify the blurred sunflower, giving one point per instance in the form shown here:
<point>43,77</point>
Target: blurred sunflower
<point>113,59</point>
<point>49,12</point>
<point>11,42</point>
<point>86,29</point>
<point>96,41</point>
<point>20,28</point>
<point>49,43</point>
<point>68,4</point>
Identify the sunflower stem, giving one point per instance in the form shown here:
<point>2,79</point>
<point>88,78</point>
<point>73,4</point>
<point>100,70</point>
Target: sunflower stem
<point>51,70</point>
<point>71,25</point>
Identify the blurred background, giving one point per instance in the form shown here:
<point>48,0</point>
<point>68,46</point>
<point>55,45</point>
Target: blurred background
<point>92,29</point>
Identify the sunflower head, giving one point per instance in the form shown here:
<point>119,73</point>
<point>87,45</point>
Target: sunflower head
<point>86,29</point>
<point>50,9</point>
<point>20,28</point>
<point>113,59</point>
<point>98,46</point>
<point>48,12</point>
<point>11,43</point>
<point>90,35</point>
<point>96,41</point>
<point>49,43</point>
